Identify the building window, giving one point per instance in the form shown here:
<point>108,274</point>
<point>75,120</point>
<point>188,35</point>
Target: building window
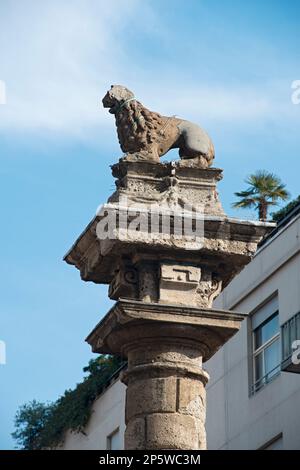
<point>266,344</point>
<point>114,440</point>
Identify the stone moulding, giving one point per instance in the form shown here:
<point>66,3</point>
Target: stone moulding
<point>228,241</point>
<point>209,327</point>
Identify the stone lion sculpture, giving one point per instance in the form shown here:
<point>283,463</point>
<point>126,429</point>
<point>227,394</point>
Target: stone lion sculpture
<point>147,135</point>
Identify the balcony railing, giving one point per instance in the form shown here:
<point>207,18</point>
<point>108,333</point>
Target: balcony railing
<point>290,334</point>
<point>260,383</point>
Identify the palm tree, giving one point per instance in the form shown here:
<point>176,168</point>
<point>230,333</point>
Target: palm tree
<point>265,190</point>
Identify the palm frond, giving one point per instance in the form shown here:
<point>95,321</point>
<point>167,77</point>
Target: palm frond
<point>244,203</point>
<point>264,189</point>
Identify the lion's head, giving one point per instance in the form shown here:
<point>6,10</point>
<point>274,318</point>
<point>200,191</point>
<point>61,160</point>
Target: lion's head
<point>136,125</point>
<point>115,97</point>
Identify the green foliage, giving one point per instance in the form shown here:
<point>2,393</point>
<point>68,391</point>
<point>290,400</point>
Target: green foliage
<point>278,215</point>
<point>29,423</point>
<point>264,190</point>
<point>41,425</point>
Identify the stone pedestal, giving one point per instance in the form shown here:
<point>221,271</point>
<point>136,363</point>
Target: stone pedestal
<point>164,282</point>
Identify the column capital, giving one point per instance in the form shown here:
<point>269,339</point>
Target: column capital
<point>129,322</point>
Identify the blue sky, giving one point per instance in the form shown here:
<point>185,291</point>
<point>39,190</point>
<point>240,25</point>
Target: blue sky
<point>227,65</point>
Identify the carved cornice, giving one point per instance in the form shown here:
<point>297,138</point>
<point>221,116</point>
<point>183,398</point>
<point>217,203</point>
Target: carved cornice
<point>129,322</point>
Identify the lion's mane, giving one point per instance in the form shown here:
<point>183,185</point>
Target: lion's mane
<point>138,127</point>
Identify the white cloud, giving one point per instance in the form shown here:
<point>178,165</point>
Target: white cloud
<point>215,102</point>
<point>59,57</point>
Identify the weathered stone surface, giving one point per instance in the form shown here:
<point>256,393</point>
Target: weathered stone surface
<point>178,283</point>
<point>148,286</point>
<point>135,434</point>
<point>185,284</point>
<point>164,183</point>
<point>172,431</point>
<point>158,393</point>
<point>124,283</point>
<point>191,397</point>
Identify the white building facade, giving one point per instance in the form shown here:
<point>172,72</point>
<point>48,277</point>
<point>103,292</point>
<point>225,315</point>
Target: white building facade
<point>253,402</point>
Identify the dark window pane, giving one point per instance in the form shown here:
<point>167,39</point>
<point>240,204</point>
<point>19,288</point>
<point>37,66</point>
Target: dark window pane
<point>286,349</point>
<point>266,331</point>
<point>270,329</point>
<point>257,338</point>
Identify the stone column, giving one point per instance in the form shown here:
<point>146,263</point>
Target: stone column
<point>165,397</point>
<point>165,346</point>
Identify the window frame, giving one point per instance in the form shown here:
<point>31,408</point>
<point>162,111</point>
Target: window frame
<point>259,383</point>
<point>109,437</point>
